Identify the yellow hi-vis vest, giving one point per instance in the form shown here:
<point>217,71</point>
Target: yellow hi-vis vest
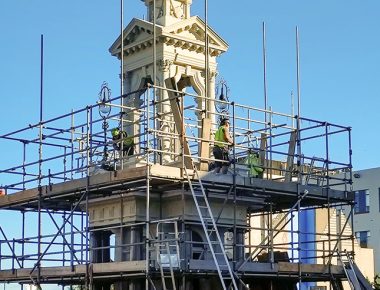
<point>127,140</point>
<point>219,139</point>
<point>254,165</point>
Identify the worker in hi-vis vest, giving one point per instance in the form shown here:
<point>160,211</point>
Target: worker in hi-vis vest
<point>128,144</point>
<point>256,170</point>
<point>222,142</point>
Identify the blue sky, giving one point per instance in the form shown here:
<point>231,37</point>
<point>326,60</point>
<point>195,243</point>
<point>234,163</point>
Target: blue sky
<point>339,43</point>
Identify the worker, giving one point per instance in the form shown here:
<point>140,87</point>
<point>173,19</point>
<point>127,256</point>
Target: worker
<point>128,144</point>
<point>256,170</point>
<point>222,143</point>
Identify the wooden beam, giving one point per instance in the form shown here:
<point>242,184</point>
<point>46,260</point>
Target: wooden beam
<point>204,149</point>
<point>290,159</point>
<point>178,119</point>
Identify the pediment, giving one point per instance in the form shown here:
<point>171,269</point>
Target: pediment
<point>193,29</point>
<point>187,34</point>
<point>137,32</point>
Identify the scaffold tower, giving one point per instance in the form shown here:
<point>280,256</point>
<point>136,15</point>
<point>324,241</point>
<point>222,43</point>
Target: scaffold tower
<point>93,215</point>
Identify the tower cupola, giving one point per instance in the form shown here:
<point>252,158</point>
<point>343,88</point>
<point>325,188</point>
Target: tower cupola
<point>168,11</point>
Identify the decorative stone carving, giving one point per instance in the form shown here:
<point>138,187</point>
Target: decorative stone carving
<point>164,64</point>
<point>177,9</point>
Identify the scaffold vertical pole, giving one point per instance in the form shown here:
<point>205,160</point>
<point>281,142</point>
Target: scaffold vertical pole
<point>235,242</point>
<point>265,74</point>
<point>40,168</point>
<point>183,201</point>
<point>147,218</point>
<point>121,151</point>
<point>88,282</point>
<point>328,192</point>
<point>206,53</point>
<point>72,131</point>
<point>352,205</point>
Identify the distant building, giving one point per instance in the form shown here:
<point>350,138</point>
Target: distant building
<point>366,213</point>
<point>335,225</point>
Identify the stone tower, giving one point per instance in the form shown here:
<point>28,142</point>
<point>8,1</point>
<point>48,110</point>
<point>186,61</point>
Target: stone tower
<point>180,55</point>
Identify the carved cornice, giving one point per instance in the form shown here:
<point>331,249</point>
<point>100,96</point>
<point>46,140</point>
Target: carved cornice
<point>193,46</point>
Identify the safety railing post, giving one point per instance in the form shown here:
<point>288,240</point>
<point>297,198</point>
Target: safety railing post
<point>22,239</point>
<point>90,128</point>
<point>81,237</point>
<point>23,165</point>
<point>72,242</point>
<point>72,131</point>
<point>13,254</point>
<point>63,244</point>
<point>270,143</point>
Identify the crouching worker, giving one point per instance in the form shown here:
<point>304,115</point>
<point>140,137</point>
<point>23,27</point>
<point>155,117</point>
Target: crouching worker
<point>253,161</point>
<point>222,143</point>
<point>119,136</point>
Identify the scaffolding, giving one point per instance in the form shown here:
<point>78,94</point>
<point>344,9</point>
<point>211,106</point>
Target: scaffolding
<point>69,170</point>
<point>85,213</point>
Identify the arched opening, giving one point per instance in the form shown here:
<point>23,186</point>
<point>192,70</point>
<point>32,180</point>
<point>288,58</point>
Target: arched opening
<point>194,110</point>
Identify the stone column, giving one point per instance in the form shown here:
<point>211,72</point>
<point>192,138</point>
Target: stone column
<point>166,117</point>
<point>131,117</point>
<point>211,95</point>
<point>118,243</point>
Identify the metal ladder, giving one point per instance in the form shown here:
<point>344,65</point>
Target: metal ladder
<point>210,229</point>
<point>349,270</point>
<point>309,171</point>
<point>167,250</point>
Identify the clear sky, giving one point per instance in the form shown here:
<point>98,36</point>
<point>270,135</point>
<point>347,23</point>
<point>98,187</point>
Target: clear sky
<point>339,53</point>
